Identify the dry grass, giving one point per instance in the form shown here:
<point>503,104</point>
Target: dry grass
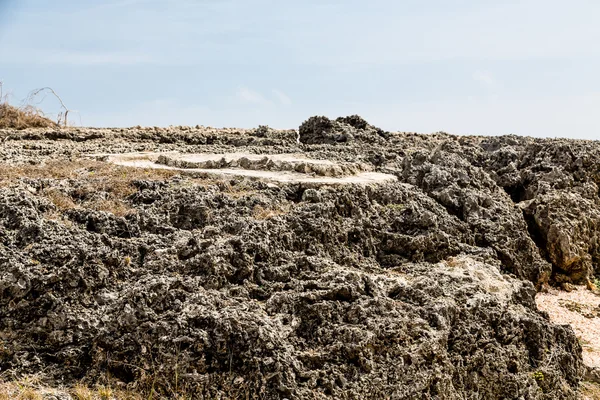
<point>111,177</point>
<point>93,177</point>
<point>105,393</point>
<point>103,186</point>
<point>32,389</point>
<point>262,213</point>
<point>235,191</point>
<point>60,200</point>
<point>82,392</point>
<point>114,206</point>
<point>30,394</point>
<point>24,389</point>
<point>23,117</point>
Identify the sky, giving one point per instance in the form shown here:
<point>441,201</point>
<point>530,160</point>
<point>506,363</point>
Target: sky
<point>526,67</point>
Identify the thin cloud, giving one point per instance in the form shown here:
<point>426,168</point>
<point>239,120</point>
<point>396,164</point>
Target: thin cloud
<point>94,8</point>
<point>250,96</point>
<point>485,79</point>
<point>96,58</point>
<point>282,97</point>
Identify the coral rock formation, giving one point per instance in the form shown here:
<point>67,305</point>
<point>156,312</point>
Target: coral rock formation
<point>231,287</point>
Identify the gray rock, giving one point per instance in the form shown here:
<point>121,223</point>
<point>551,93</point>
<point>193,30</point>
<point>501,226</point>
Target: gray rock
<point>421,288</point>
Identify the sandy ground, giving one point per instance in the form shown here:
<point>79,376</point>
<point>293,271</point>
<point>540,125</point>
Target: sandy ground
<point>580,309</point>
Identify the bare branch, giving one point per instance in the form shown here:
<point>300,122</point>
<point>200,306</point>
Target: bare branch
<point>64,114</point>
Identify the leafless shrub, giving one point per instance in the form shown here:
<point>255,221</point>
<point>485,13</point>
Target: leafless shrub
<point>28,115</point>
<point>63,115</point>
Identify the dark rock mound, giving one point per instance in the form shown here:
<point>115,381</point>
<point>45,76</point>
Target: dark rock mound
<point>354,121</point>
<point>322,130</point>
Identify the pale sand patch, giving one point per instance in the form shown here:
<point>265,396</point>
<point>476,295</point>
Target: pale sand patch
<point>580,309</point>
<point>149,160</point>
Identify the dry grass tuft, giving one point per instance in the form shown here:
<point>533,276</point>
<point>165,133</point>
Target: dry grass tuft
<point>32,389</point>
<point>82,392</point>
<point>20,390</point>
<point>30,394</point>
<point>235,191</point>
<point>12,117</point>
<point>114,206</point>
<point>60,200</point>
<point>262,213</point>
<point>105,393</point>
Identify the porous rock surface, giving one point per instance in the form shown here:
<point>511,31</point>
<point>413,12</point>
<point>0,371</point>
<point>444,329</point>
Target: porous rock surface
<point>421,288</point>
<point>555,182</point>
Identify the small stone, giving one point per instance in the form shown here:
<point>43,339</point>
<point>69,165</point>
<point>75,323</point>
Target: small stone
<point>568,287</point>
<point>311,196</point>
<point>238,381</point>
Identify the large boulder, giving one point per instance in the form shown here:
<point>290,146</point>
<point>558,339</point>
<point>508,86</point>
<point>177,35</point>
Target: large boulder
<point>555,183</point>
<point>469,193</point>
<point>567,228</point>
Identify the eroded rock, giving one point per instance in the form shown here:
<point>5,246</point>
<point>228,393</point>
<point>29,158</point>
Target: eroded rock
<point>418,287</point>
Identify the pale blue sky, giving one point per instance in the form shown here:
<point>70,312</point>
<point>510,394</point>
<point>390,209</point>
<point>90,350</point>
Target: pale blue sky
<point>529,67</point>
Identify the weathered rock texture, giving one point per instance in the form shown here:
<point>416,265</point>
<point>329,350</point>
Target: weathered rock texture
<point>421,288</point>
<point>555,182</point>
<point>322,130</point>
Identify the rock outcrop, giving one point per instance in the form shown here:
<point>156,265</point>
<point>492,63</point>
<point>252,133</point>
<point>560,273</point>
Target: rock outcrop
<point>322,130</point>
<point>234,288</point>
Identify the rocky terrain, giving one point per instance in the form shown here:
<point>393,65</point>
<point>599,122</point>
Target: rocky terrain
<point>178,279</point>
